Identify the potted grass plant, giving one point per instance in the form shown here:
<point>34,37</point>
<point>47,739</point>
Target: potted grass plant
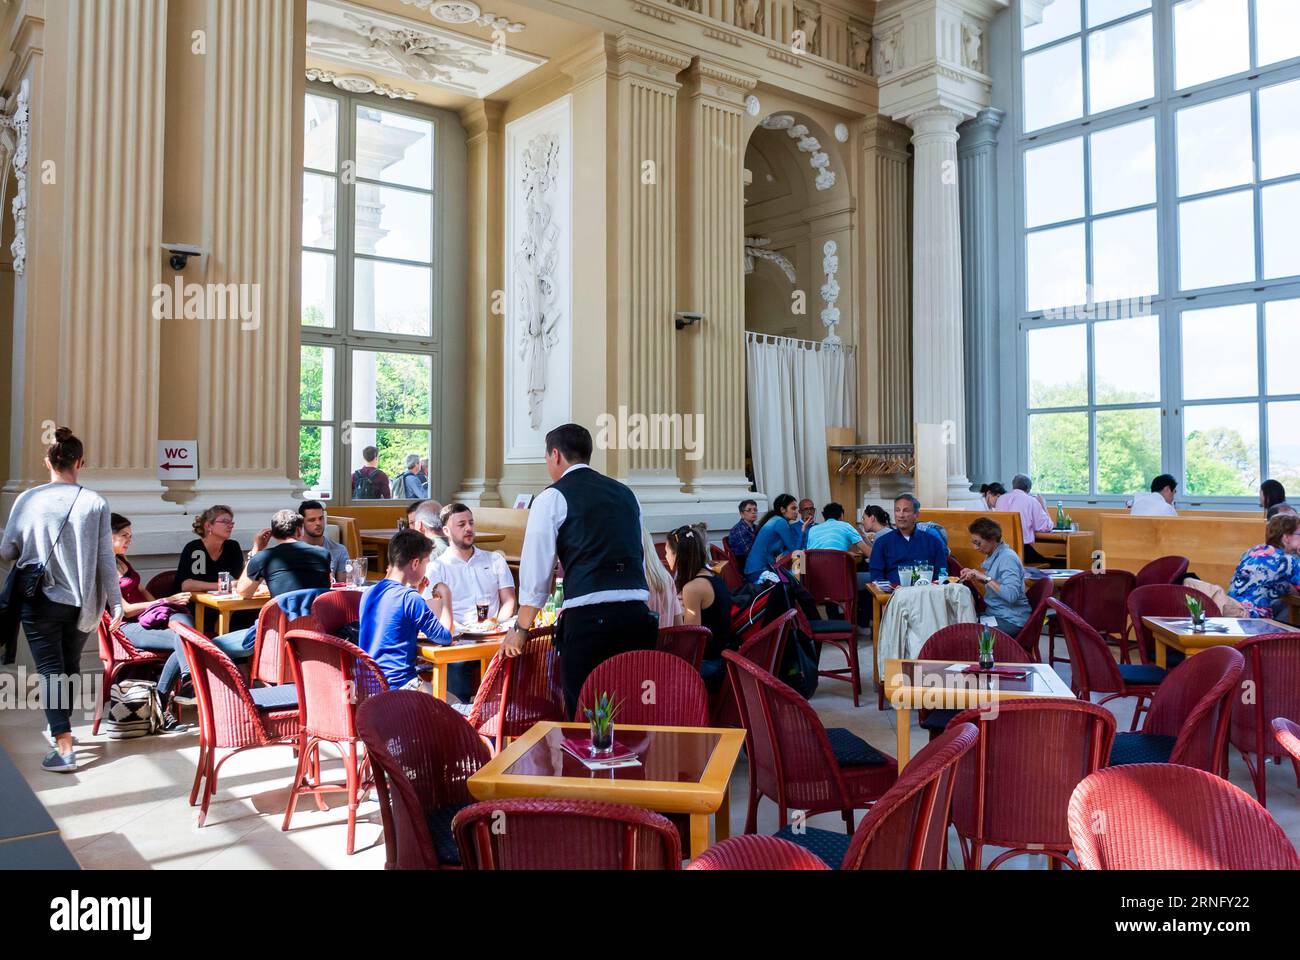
<point>601,715</point>
<point>986,649</point>
<point>1196,610</point>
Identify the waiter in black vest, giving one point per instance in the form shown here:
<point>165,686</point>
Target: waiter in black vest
<point>592,523</point>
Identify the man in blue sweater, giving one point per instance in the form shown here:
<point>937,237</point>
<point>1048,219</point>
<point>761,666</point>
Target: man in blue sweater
<point>906,545</point>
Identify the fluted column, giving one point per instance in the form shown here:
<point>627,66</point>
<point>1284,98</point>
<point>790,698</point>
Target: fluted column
<point>713,278</point>
<point>977,153</point>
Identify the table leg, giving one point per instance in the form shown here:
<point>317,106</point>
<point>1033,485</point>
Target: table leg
<point>1162,653</point>
<point>699,834</point>
<point>440,682</point>
<point>223,622</point>
<point>722,818</point>
<point>903,718</point>
<point>875,639</point>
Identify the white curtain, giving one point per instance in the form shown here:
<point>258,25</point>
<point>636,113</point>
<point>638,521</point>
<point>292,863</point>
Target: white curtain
<point>797,389</point>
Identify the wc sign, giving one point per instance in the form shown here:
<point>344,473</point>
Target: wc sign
<point>178,460</point>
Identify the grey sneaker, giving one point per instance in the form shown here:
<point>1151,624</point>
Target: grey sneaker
<point>60,763</point>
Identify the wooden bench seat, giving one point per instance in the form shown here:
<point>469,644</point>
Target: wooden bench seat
<point>957,524</point>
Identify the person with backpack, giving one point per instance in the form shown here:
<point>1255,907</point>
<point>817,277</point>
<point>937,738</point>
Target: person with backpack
<point>369,482</point>
<point>410,485</point>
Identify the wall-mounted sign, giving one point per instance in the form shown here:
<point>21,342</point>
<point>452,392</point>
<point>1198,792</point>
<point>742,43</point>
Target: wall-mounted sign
<point>178,460</point>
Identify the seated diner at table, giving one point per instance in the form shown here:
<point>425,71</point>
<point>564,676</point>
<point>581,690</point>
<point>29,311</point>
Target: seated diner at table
<point>989,493</point>
<point>780,532</point>
<point>906,544</point>
<point>1270,571</point>
<point>313,534</point>
<point>663,601</point>
<point>1001,573</point>
<point>1033,515</point>
<point>705,598</point>
<point>472,576</point>
<point>214,552</point>
<point>834,534</point>
<point>741,536</point>
<point>1158,501</point>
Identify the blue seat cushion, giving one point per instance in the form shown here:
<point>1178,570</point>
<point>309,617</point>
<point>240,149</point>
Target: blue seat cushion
<point>444,841</point>
<point>852,751</point>
<point>283,697</point>
<point>938,720</point>
<point>829,846</point>
<point>1146,674</point>
<point>1141,748</point>
<point>830,626</point>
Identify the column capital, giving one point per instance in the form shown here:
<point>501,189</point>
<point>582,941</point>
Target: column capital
<point>481,118</point>
<point>935,123</point>
<point>885,136</point>
<point>645,59</point>
<point>712,80</point>
<point>980,131</point>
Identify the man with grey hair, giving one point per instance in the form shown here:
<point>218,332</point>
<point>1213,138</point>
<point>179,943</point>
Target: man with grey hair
<point>410,485</point>
<point>1278,509</point>
<point>284,562</point>
<point>426,518</point>
<point>906,544</point>
<point>1033,516</point>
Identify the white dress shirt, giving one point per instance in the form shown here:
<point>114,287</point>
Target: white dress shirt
<point>537,560</point>
<point>1152,505</point>
<point>483,575</point>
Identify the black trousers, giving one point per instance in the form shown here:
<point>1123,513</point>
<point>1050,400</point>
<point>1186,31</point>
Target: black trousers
<point>56,643</point>
<point>591,634</point>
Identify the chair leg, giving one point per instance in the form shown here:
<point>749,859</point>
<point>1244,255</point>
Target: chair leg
<point>209,788</point>
<point>855,673</point>
<point>848,821</point>
<point>321,805</point>
<point>104,694</point>
<point>199,770</point>
<point>353,787</point>
<point>751,816</point>
<point>299,774</point>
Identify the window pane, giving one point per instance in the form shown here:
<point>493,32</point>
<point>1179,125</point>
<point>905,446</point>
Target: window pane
<point>1060,19</point>
<point>1279,129</point>
<point>391,388</point>
<point>316,460</point>
<point>318,210</point>
<point>1216,241</point>
<point>321,136</point>
<point>1211,39</point>
<point>1127,368</point>
<point>394,223</point>
<point>317,289</point>
<point>1277,30</point>
<point>393,298</point>
<point>1219,358</point>
<point>1058,363</point>
<point>1124,167</point>
<point>1221,449</point>
<point>1103,11</point>
<point>1124,256</point>
<point>1214,146</point>
<point>1284,443</point>
<point>1058,452</point>
<point>316,380</point>
<point>1281,239</point>
<point>1054,183</point>
<point>1282,354</point>
<point>394,148</point>
<point>1055,268</point>
<point>1053,86</point>
<point>1128,450</point>
<point>1120,65</point>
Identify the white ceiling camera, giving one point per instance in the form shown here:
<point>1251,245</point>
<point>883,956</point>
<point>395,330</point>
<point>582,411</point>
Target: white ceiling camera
<point>181,253</point>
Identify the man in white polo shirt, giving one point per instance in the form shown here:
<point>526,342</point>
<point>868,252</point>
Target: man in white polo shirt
<point>471,574</point>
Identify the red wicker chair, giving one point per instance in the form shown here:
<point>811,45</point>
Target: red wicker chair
<point>688,642</point>
<point>1099,599</point>
<point>337,609</point>
<point>1030,636</point>
<point>269,663</point>
<point>732,573</point>
<point>1160,816</point>
<point>961,641</point>
<point>678,696</point>
<point>231,716</point>
<point>754,852</point>
<point>1012,791</point>
<point>797,762</point>
<point>331,677</point>
<point>119,657</point>
<point>1189,716</point>
<point>1287,735</point>
<point>1162,570</point>
<point>160,585</point>
<point>832,577</point>
<point>765,648</point>
<point>1272,675</point>
<point>517,692</point>
<point>1161,600</point>
<point>1094,670</point>
<point>422,754</point>
<point>565,835</point>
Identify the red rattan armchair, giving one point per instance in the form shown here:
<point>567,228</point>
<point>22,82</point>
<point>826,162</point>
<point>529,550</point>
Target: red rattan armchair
<point>675,693</point>
<point>765,648</point>
<point>1162,816</point>
<point>229,714</point>
<point>565,835</point>
<point>1161,600</point>
<point>688,642</point>
<point>733,575</point>
<point>269,663</point>
<point>120,656</point>
<point>961,641</point>
<point>1031,634</point>
<point>336,609</point>
<point>832,577</point>
<point>1272,674</point>
<point>1189,715</point>
<point>1094,670</point>
<point>754,852</point>
<point>797,762</point>
<point>332,677</point>
<point>517,692</point>
<point>160,585</point>
<point>1098,598</point>
<point>1287,735</point>
<point>1013,789</point>
<point>1166,570</point>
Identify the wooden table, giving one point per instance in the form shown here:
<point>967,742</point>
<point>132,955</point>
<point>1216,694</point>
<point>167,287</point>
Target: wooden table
<point>441,656</point>
<point>685,770</point>
<point>1073,545</point>
<point>928,684</point>
<point>1292,601</point>
<point>225,606</point>
<point>1176,633</point>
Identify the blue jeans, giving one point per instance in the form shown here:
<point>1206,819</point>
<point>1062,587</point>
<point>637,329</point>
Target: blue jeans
<point>163,641</point>
<point>56,644</point>
<point>233,644</point>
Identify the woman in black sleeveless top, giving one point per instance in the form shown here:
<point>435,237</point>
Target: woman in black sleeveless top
<point>705,597</point>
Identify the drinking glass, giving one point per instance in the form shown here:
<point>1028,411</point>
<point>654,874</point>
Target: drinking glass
<point>359,571</point>
<point>904,576</point>
<point>924,574</point>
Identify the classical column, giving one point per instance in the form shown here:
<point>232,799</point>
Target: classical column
<point>977,155</point>
<point>712,206</point>
<point>483,342</point>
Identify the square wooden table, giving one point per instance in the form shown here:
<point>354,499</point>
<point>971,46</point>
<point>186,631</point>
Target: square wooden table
<point>1074,546</point>
<point>467,651</point>
<point>684,770</point>
<point>930,685</point>
<point>225,606</point>
<point>1176,633</point>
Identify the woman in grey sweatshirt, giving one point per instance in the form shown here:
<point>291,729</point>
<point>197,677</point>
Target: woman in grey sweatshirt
<point>80,581</point>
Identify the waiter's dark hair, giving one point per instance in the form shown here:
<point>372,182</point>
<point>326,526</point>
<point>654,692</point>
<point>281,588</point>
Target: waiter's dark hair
<point>65,451</point>
<point>572,440</point>
<point>408,545</point>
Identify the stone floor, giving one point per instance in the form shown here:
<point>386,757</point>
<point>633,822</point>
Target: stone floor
<point>126,808</point>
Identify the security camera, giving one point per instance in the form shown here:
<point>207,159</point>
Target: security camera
<point>688,319</point>
<point>181,253</point>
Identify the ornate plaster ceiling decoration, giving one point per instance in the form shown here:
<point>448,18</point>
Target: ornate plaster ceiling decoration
<point>820,161</point>
<point>358,83</point>
<point>459,12</point>
<point>358,36</point>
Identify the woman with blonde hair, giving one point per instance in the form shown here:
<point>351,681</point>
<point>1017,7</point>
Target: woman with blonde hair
<point>663,601</point>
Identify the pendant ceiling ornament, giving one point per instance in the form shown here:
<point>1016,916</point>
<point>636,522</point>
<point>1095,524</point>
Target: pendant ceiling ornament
<point>461,12</point>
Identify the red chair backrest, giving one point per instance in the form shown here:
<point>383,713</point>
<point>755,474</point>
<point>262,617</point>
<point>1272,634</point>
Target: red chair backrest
<point>1162,570</point>
<point>114,647</point>
<point>1164,816</point>
<point>831,576</point>
<point>732,574</point>
<point>1016,784</point>
<point>766,649</point>
<point>688,642</point>
<point>1092,668</point>
<point>227,717</point>
<point>756,852</point>
<point>1099,598</point>
<point>565,835</point>
<point>1273,673</point>
<point>336,609</point>
<point>423,754</point>
<point>1287,734</point>
<point>517,692</point>
<point>1194,704</point>
<point>160,585</point>
<point>961,641</point>
<point>269,663</point>
<point>1037,593</point>
<point>906,828</point>
<point>332,678</point>
<point>656,689</point>
<point>662,549</point>
<point>1161,600</point>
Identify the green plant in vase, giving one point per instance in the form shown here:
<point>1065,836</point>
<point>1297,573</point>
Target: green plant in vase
<point>1196,610</point>
<point>601,715</point>
<point>986,648</point>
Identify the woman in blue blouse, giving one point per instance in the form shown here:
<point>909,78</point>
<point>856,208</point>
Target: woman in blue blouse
<point>1269,572</point>
<point>779,532</point>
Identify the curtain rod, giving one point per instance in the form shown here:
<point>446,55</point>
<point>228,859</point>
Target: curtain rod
<point>752,336</point>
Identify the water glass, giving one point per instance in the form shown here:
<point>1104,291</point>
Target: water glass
<point>924,574</point>
<point>904,576</point>
<point>359,571</point>
<point>224,584</point>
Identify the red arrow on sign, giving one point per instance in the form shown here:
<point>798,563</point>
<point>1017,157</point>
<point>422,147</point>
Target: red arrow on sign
<point>176,466</point>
